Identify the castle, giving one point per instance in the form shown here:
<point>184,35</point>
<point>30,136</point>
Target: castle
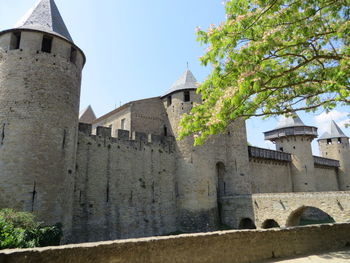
<point>124,175</point>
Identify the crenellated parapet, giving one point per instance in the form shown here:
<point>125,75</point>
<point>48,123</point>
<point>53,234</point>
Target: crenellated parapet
<point>133,138</point>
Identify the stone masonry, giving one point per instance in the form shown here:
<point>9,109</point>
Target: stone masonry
<point>124,174</point>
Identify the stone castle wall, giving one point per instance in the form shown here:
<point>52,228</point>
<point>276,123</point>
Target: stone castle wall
<point>270,176</point>
<point>123,188</point>
<point>326,178</point>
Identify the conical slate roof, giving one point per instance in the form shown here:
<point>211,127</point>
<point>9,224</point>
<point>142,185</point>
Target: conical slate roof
<point>333,131</point>
<point>45,16</point>
<point>185,82</point>
<point>87,115</point>
<point>292,121</point>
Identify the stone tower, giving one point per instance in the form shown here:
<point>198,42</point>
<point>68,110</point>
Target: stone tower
<point>40,77</point>
<point>334,144</point>
<point>194,209</point>
<point>207,173</point>
<point>293,136</point>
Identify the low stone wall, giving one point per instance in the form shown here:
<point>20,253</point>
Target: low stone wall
<point>228,246</point>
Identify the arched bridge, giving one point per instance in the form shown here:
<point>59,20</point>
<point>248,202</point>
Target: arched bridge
<point>284,209</point>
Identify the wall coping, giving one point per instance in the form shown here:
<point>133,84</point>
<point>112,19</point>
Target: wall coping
<point>223,246</point>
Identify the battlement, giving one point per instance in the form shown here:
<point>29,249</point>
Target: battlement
<point>326,161</point>
<point>269,154</point>
<point>40,45</point>
<point>126,136</point>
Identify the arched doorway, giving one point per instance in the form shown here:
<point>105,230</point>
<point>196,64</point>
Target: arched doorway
<point>270,223</point>
<point>220,189</point>
<point>247,223</point>
<point>308,215</point>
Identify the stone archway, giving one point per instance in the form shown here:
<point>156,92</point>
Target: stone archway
<point>270,223</point>
<point>308,215</point>
<point>246,223</point>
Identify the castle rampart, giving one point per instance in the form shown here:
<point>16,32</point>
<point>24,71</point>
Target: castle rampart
<point>123,188</point>
<point>124,175</point>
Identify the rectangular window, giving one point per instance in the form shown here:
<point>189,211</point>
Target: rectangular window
<point>122,124</point>
<point>329,141</point>
<point>169,101</point>
<point>15,40</point>
<point>187,96</point>
<point>46,45</point>
<point>73,55</point>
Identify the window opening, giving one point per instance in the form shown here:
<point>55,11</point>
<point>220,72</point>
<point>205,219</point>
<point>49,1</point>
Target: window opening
<point>329,141</point>
<point>46,45</point>
<point>122,124</point>
<point>187,96</point>
<point>165,131</point>
<point>339,140</point>
<point>15,40</point>
<point>169,101</point>
<point>73,55</point>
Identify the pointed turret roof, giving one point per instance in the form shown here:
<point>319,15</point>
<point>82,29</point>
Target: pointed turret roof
<point>186,82</point>
<point>45,16</point>
<point>87,115</point>
<point>333,131</point>
<point>291,121</point>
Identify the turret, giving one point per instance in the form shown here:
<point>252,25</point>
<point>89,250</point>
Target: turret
<point>40,77</point>
<point>87,115</point>
<point>205,174</point>
<point>334,144</point>
<point>293,136</point>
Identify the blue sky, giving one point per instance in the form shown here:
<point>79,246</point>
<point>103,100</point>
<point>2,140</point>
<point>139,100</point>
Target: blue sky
<point>137,49</point>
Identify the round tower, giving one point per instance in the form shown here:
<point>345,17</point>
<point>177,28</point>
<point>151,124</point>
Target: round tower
<point>196,210</point>
<point>40,77</point>
<point>205,174</point>
<point>334,144</point>
<point>293,136</point>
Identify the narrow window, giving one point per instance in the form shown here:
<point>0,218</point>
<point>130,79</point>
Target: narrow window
<point>187,96</point>
<point>165,131</point>
<point>46,45</point>
<point>339,140</point>
<point>169,101</point>
<point>15,40</point>
<point>73,55</point>
<point>122,124</point>
<point>329,141</point>
<point>281,149</point>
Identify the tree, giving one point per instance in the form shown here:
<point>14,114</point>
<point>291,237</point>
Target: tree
<point>272,57</point>
<point>21,230</point>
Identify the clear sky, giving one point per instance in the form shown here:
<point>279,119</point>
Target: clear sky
<point>137,49</point>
